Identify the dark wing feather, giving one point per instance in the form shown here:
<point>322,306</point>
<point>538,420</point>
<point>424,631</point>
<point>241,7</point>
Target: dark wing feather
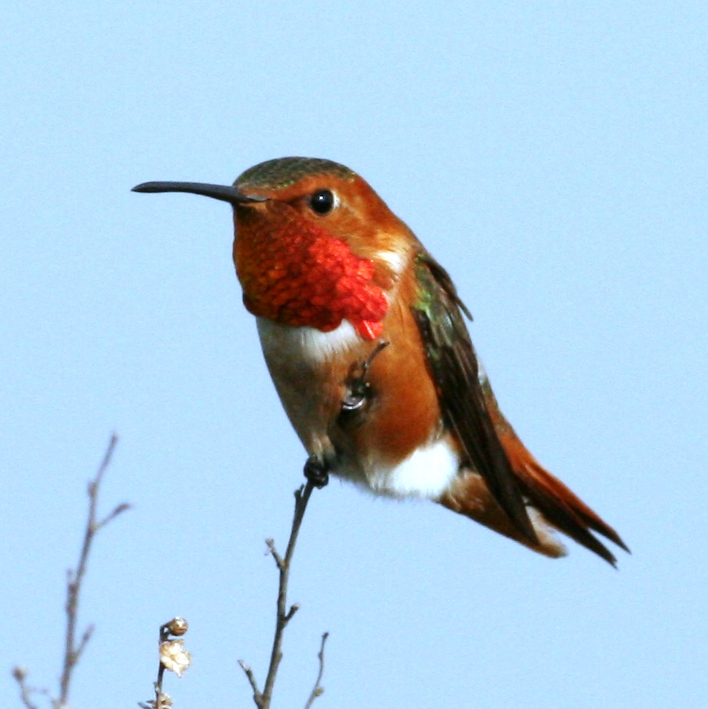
<point>453,365</point>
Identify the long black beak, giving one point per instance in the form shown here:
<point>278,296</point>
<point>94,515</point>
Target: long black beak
<point>225,194</point>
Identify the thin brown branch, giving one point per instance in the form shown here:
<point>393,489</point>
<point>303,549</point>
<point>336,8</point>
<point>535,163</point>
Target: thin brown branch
<point>318,689</point>
<point>20,675</point>
<point>112,515</point>
<point>251,678</point>
<point>164,634</point>
<point>293,610</point>
<point>84,640</point>
<point>283,614</point>
<point>72,651</point>
<point>274,553</point>
<point>302,497</point>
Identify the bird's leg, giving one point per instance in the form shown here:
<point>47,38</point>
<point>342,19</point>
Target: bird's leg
<point>317,471</point>
<point>318,466</point>
<point>357,386</point>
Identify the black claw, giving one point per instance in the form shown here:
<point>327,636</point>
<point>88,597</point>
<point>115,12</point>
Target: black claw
<point>317,472</point>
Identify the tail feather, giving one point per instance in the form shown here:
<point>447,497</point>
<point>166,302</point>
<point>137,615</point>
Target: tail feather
<point>552,507</point>
<point>560,507</point>
<point>469,495</point>
<point>555,506</point>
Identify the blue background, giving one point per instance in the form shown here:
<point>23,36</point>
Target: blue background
<point>552,155</point>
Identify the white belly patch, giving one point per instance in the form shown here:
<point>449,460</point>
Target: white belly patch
<point>306,342</point>
<point>426,473</point>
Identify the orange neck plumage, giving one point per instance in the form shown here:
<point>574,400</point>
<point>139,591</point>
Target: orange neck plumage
<point>297,274</point>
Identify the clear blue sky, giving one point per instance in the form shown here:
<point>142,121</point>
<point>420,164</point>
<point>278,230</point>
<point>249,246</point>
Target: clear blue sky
<point>552,155</point>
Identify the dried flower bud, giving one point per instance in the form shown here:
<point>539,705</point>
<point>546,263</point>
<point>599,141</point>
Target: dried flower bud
<point>177,626</point>
<point>174,657</point>
<point>164,701</point>
<point>19,673</point>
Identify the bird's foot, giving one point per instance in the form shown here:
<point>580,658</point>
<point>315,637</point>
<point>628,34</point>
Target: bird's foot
<point>317,472</point>
<point>358,389</point>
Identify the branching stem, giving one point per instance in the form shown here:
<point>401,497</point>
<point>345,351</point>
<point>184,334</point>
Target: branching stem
<point>283,614</point>
<point>318,689</point>
<point>72,651</point>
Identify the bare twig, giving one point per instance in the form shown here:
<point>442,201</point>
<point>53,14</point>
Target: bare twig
<point>20,675</point>
<point>284,614</point>
<point>251,678</point>
<point>318,689</point>
<point>72,651</point>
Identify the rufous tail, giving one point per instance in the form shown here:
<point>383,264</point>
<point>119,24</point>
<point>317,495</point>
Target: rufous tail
<point>552,505</point>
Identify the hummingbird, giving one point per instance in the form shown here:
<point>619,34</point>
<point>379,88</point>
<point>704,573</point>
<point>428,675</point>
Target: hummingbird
<point>364,335</point>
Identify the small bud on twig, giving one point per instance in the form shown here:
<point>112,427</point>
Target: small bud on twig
<point>177,626</point>
<point>173,657</point>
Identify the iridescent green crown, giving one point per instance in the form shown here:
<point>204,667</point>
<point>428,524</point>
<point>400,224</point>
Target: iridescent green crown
<point>283,172</point>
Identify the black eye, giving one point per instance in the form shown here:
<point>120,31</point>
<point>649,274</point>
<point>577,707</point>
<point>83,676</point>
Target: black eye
<point>322,202</point>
